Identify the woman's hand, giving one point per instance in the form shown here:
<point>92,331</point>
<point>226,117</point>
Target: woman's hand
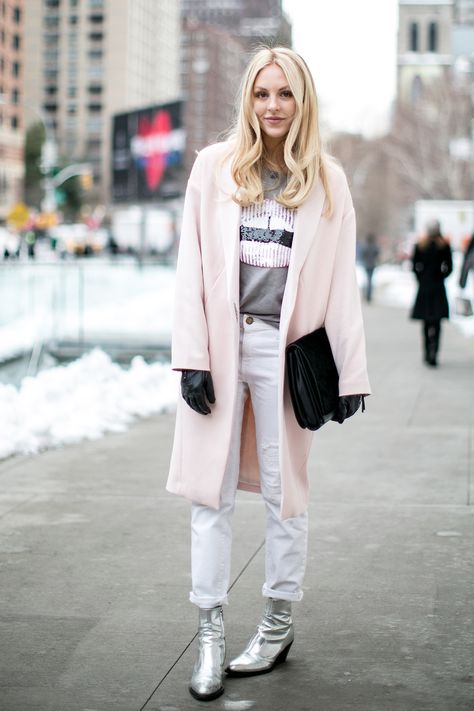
<point>196,386</point>
<point>347,406</point>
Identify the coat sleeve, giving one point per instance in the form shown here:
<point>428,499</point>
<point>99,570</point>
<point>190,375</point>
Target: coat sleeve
<point>447,263</point>
<point>343,321</point>
<point>417,263</point>
<point>189,347</point>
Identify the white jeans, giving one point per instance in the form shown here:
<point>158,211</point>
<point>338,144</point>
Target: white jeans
<point>211,534</point>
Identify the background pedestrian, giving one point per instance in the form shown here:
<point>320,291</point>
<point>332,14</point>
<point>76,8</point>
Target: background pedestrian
<point>432,263</point>
<point>369,255</point>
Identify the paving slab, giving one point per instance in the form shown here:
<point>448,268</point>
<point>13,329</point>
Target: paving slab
<point>94,560</point>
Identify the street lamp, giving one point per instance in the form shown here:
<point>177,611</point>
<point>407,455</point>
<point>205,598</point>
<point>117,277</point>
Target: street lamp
<point>49,160</point>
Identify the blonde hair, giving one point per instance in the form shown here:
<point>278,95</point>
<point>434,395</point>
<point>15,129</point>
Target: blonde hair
<point>303,153</point>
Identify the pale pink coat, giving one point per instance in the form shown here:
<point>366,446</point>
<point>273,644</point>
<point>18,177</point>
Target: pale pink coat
<point>321,289</point>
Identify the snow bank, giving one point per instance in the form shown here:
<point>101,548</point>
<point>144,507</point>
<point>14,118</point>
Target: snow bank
<point>82,400</point>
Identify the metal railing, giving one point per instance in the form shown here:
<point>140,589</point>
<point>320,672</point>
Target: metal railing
<point>79,304</point>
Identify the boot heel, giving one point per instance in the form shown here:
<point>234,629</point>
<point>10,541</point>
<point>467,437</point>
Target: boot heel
<point>283,655</point>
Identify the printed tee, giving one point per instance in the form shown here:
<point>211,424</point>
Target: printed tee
<point>266,237</point>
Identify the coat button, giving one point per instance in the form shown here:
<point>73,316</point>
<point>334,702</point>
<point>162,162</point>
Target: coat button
<point>249,320</point>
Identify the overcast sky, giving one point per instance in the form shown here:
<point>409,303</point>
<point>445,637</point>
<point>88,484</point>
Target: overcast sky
<point>350,46</point>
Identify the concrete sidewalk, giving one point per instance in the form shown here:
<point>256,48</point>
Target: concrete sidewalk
<point>95,560</point>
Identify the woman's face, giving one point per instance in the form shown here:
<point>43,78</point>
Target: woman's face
<point>273,103</point>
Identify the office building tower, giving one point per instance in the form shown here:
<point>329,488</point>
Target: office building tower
<point>89,59</point>
<point>216,41</point>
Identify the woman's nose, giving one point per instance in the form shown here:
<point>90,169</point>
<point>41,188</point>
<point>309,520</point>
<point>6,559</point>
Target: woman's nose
<point>273,102</point>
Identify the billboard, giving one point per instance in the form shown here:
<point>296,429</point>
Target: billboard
<point>147,153</point>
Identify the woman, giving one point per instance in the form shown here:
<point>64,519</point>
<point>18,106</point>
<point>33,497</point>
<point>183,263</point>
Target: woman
<point>267,254</point>
<point>432,263</point>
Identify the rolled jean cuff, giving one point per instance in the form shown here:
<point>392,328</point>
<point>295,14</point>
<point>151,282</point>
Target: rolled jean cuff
<point>282,595</point>
<point>207,603</point>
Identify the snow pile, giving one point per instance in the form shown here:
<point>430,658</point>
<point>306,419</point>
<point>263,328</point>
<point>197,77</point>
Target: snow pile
<point>82,400</point>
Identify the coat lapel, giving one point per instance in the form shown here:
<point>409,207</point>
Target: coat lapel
<point>306,225</point>
<point>229,222</point>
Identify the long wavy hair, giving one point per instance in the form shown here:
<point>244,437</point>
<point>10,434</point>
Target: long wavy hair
<point>303,153</point>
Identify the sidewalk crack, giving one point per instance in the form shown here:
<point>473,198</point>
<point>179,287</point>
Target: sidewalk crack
<point>252,557</point>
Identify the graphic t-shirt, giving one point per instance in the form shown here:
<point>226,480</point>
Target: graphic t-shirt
<point>266,237</point>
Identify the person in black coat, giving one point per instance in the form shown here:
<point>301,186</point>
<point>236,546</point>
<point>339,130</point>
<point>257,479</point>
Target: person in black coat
<point>432,263</point>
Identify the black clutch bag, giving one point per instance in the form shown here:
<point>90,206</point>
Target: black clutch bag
<point>313,379</point>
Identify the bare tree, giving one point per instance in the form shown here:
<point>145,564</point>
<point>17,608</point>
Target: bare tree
<point>422,137</point>
<point>419,158</point>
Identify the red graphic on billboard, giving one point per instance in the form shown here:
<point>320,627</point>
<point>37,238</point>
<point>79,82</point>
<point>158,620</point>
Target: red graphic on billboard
<point>153,158</point>
<point>148,147</point>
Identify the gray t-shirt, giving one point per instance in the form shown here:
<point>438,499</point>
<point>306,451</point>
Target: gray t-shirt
<point>266,236</point>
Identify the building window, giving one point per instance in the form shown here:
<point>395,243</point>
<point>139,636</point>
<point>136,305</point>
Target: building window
<point>96,3</point>
<point>73,20</point>
<point>72,109</point>
<point>51,40</point>
<point>74,3</point>
<point>15,96</point>
<point>16,41</point>
<point>96,36</point>
<point>95,54</point>
<point>96,19</point>
<point>51,90</point>
<point>51,22</point>
<point>433,37</point>
<point>16,15</point>
<point>72,91</point>
<point>95,89</point>
<point>52,3</point>
<point>413,38</point>
<point>2,64</point>
<point>50,74</point>
<point>14,122</point>
<point>95,108</point>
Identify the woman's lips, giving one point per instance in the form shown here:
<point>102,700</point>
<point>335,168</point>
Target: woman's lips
<point>273,119</point>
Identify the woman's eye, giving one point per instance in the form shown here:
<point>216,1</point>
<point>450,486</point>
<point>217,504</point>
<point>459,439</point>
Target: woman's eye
<point>287,94</point>
<point>261,95</point>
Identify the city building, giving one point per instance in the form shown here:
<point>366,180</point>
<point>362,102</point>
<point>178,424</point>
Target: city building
<point>11,103</point>
<point>424,45</point>
<point>89,59</point>
<point>212,62</point>
<point>216,40</point>
<point>433,37</point>
<point>464,12</point>
<point>255,22</point>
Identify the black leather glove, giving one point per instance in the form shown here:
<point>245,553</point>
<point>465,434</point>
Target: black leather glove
<point>196,386</point>
<point>347,406</point>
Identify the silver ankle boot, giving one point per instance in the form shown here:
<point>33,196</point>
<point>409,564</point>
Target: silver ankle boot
<point>270,644</point>
<point>206,681</point>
